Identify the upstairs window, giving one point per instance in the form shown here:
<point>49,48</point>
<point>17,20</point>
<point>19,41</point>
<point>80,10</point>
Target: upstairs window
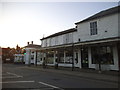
<point>93,28</point>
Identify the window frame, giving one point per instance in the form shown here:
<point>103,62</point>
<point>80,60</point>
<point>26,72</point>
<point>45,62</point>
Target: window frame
<point>93,28</point>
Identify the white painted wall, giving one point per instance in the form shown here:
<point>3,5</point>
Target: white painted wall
<point>27,56</point>
<point>75,37</point>
<point>44,42</point>
<point>119,24</point>
<point>60,40</point>
<point>108,23</point>
<point>48,42</point>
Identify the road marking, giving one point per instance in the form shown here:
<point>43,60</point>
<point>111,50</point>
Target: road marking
<point>11,77</point>
<point>13,74</point>
<point>49,85</point>
<point>18,82</point>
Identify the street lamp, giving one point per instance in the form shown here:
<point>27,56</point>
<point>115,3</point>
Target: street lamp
<point>72,56</point>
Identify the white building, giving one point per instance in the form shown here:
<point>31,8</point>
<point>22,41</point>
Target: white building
<point>19,58</point>
<point>100,35</point>
<point>94,43</point>
<point>32,56</point>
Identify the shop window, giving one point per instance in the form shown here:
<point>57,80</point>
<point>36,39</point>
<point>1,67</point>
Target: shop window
<point>50,58</point>
<point>103,54</point>
<point>61,59</point>
<point>69,57</point>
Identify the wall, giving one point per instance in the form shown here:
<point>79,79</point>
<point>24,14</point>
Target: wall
<point>108,23</point>
<point>119,24</point>
<point>27,56</point>
<point>60,40</point>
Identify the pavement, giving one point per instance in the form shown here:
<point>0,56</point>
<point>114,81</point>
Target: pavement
<point>109,76</point>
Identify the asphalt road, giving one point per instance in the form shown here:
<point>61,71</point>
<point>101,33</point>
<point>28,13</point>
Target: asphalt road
<point>16,76</point>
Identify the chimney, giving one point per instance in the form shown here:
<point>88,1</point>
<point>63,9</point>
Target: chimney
<point>31,42</point>
<point>28,43</point>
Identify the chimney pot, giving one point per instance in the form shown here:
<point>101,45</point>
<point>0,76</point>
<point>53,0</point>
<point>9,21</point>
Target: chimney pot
<point>28,43</point>
<point>31,42</point>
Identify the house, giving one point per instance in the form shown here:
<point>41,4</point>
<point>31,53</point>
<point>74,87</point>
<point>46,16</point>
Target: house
<point>19,58</point>
<point>18,53</point>
<point>0,55</point>
<point>94,43</point>
<point>7,55</point>
<point>32,55</point>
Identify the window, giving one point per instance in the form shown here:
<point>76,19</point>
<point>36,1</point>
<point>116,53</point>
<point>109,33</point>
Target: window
<point>50,58</point>
<point>93,28</point>
<point>61,57</point>
<point>103,53</point>
<point>32,57</point>
<point>56,40</point>
<point>69,57</point>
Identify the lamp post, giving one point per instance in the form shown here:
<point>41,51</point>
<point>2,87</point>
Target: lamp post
<point>99,59</point>
<point>72,56</point>
<point>36,59</point>
<point>29,60</point>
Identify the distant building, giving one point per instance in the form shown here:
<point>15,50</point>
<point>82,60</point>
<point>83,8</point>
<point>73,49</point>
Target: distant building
<point>19,58</point>
<point>94,43</point>
<point>0,55</point>
<point>32,55</point>
<point>19,55</point>
<point>7,55</point>
<point>10,54</point>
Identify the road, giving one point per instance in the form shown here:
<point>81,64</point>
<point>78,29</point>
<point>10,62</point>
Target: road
<point>16,76</point>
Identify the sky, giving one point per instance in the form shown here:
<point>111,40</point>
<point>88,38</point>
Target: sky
<point>22,22</point>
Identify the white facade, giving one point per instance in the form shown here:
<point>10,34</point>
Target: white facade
<point>107,28</point>
<point>32,56</point>
<point>59,40</point>
<point>82,42</point>
<point>19,58</point>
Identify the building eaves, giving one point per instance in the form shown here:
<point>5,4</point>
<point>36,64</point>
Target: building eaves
<point>32,46</point>
<point>61,33</point>
<point>102,14</point>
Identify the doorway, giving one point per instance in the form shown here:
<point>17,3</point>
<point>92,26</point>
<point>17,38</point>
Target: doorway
<point>84,57</point>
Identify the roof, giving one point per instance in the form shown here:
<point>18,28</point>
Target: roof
<point>102,13</point>
<point>60,33</point>
<point>32,46</point>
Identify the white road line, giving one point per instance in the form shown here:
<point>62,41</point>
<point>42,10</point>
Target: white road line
<point>18,82</point>
<point>48,85</point>
<point>12,77</point>
<point>14,74</point>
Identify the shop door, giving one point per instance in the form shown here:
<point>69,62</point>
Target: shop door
<point>84,57</point>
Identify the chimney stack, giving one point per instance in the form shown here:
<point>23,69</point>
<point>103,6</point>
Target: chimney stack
<point>31,42</point>
<point>28,43</point>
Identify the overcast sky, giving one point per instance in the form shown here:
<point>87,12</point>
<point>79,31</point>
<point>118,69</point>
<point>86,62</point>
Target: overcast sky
<point>21,22</point>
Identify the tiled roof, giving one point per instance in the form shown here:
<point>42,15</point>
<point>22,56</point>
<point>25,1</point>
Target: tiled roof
<point>102,13</point>
<point>61,33</point>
